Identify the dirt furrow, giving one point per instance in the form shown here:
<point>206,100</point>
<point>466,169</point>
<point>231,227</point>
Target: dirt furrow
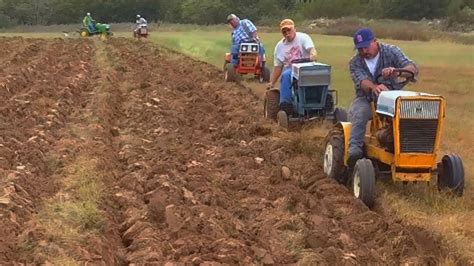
<point>31,118</point>
<point>204,178</point>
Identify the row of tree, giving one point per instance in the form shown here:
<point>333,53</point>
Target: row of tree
<point>47,12</point>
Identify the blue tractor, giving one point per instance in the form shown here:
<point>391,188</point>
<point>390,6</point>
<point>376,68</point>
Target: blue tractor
<point>312,97</point>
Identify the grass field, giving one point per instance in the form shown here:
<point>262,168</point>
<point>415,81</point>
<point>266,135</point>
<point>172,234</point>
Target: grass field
<point>445,68</point>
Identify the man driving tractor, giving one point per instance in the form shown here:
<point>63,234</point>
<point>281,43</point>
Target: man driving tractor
<point>371,60</point>
<point>89,22</point>
<point>243,31</point>
<point>140,21</point>
<point>295,45</point>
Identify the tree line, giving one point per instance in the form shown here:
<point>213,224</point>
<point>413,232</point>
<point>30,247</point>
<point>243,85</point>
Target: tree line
<point>207,12</point>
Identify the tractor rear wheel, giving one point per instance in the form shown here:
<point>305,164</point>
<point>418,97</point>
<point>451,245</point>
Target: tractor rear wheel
<point>271,104</point>
<point>229,72</point>
<point>333,163</point>
<point>451,174</point>
<point>84,33</point>
<point>363,182</point>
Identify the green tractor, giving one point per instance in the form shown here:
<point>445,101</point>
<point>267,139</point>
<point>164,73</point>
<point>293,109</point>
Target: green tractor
<point>103,30</point>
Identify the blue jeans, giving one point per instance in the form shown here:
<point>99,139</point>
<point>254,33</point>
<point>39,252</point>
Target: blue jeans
<point>359,114</point>
<point>91,27</point>
<point>285,86</point>
<point>234,51</point>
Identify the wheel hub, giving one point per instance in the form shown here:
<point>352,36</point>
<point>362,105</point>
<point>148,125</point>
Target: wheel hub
<point>328,159</point>
<point>356,184</point>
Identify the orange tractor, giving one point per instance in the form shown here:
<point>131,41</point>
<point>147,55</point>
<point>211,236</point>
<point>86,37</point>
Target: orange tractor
<point>249,62</point>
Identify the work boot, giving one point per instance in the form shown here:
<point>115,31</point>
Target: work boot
<point>351,162</point>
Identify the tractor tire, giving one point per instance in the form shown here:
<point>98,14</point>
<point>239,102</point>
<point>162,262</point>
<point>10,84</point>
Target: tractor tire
<point>229,72</point>
<point>265,75</point>
<point>84,33</point>
<point>282,119</point>
<point>340,115</point>
<point>271,104</point>
<point>451,174</point>
<point>363,182</point>
<point>103,36</point>
<point>333,164</point>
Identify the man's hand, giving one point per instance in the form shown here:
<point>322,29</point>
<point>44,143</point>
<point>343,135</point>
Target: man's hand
<point>270,86</point>
<point>379,88</point>
<point>389,72</point>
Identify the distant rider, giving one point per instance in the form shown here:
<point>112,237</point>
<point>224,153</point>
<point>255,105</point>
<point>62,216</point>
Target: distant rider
<point>243,31</point>
<point>89,22</point>
<point>139,22</point>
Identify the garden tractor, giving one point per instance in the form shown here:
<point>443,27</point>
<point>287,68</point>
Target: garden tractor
<point>402,143</point>
<point>102,30</point>
<point>249,62</point>
<point>141,31</point>
<point>312,97</point>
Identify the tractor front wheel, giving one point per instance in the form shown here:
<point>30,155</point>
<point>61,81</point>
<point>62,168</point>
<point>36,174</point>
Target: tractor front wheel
<point>265,75</point>
<point>103,36</point>
<point>229,72</point>
<point>333,163</point>
<point>282,119</point>
<point>451,174</point>
<point>363,182</point>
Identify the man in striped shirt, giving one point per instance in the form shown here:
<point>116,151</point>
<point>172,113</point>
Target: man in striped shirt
<point>244,31</point>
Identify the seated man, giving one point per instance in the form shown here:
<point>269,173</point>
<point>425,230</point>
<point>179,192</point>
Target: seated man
<point>244,31</point>
<point>89,22</point>
<point>294,46</point>
<point>140,21</point>
<point>371,60</point>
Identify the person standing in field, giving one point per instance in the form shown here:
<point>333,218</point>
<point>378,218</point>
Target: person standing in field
<point>294,46</point>
<point>371,60</point>
<point>243,31</point>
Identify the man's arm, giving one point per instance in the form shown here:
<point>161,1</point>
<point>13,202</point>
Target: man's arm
<point>361,78</point>
<point>276,73</point>
<point>312,54</point>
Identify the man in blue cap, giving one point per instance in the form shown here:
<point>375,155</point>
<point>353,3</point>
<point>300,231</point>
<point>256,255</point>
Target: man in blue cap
<point>371,60</point>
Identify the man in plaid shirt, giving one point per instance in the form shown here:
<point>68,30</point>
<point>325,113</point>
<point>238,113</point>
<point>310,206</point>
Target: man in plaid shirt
<point>372,59</point>
<point>244,31</point>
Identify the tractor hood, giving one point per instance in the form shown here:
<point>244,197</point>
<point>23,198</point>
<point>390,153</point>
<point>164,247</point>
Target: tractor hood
<point>387,100</point>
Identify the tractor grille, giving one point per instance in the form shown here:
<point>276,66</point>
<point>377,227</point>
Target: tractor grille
<point>418,135</point>
<point>419,109</point>
<point>248,60</point>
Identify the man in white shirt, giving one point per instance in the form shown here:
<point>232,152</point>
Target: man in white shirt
<point>295,45</point>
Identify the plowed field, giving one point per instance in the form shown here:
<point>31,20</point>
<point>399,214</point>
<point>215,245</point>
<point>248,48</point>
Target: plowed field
<point>181,166</point>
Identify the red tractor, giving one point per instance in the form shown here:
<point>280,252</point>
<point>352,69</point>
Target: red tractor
<point>249,62</point>
<point>141,31</point>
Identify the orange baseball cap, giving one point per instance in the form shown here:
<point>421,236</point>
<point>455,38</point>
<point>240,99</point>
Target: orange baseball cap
<point>287,23</point>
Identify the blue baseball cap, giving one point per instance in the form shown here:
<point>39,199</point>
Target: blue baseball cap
<point>363,37</point>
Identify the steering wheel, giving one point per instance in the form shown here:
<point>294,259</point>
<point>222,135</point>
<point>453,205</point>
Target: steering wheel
<point>301,60</point>
<point>401,79</point>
